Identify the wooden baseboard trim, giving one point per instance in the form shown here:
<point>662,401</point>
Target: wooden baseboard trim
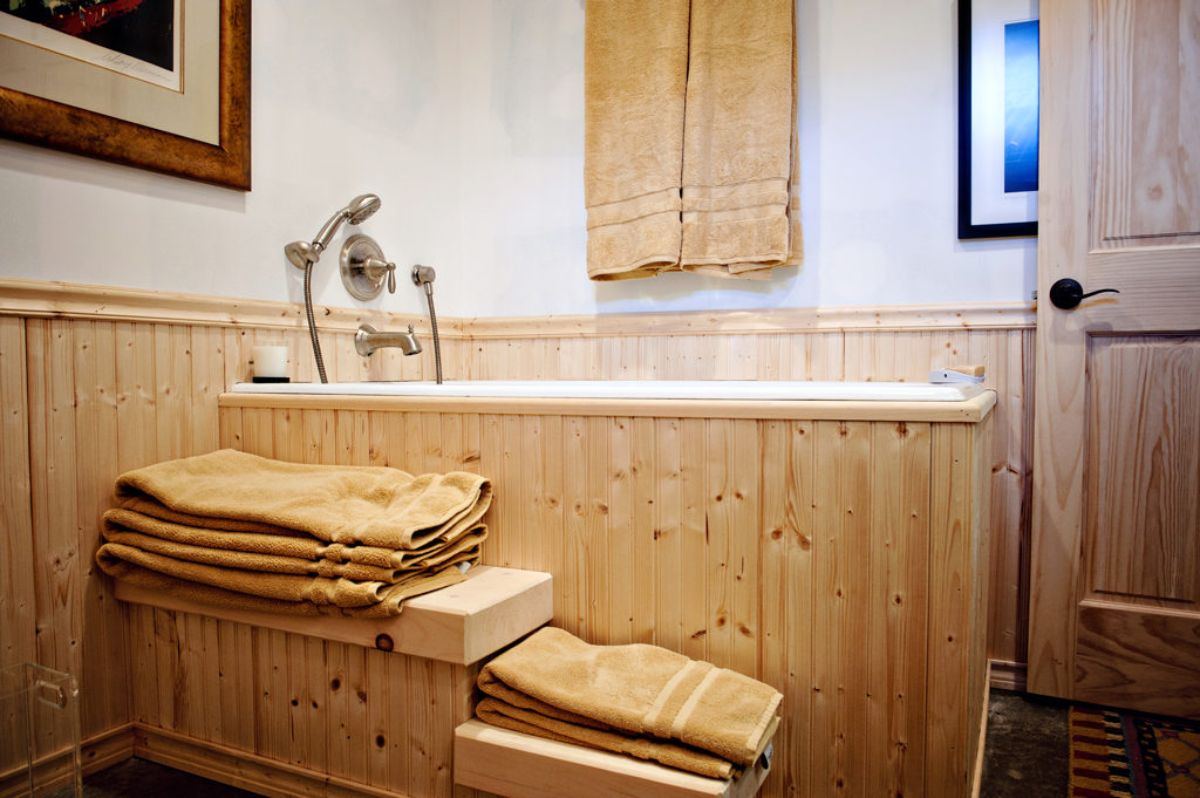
<point>244,769</point>
<point>1007,675</point>
<point>98,752</point>
<point>980,752</point>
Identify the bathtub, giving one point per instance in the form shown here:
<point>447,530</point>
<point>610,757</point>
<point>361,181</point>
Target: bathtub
<point>781,528</point>
<point>711,390</point>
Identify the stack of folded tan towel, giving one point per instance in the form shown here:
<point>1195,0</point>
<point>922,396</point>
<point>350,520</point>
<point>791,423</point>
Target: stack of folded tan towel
<point>233,529</point>
<point>637,699</point>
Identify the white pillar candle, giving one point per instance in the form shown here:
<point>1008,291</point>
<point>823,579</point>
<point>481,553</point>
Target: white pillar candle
<point>270,361</point>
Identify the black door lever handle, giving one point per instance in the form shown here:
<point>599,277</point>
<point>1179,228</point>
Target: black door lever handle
<point>1066,293</point>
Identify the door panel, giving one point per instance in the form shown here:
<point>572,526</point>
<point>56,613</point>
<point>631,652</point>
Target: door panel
<point>1147,99</point>
<point>1143,473</point>
<point>1115,570</point>
<point>1128,657</point>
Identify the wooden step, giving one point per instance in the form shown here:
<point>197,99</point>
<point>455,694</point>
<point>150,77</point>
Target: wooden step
<point>462,624</point>
<point>517,765</point>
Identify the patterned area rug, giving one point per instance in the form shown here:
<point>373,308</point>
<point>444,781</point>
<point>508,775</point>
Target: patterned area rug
<point>1120,753</point>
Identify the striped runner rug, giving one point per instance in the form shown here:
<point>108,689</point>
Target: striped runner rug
<point>1116,753</point>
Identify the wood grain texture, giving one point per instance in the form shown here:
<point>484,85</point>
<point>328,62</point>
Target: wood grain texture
<point>1115,449</point>
<point>112,363</point>
<point>778,548</point>
<point>523,766</point>
<point>1143,439</point>
<point>1139,656</point>
<point>1147,81</point>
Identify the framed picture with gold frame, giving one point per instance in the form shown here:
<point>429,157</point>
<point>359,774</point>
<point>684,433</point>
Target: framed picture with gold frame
<point>158,84</point>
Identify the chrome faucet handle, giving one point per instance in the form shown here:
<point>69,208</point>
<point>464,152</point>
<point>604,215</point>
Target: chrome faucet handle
<point>364,268</point>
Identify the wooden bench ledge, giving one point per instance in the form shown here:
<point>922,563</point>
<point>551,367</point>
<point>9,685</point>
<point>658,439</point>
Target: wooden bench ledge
<point>462,624</point>
<point>518,765</point>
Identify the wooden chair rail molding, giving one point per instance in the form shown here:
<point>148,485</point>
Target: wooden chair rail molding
<point>42,298</point>
<point>45,298</point>
<point>975,316</point>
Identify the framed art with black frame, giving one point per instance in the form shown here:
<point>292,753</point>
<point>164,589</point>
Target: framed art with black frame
<point>997,118</point>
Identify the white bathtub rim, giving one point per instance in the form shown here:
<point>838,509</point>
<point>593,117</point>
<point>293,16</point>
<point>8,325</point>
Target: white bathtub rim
<point>707,390</point>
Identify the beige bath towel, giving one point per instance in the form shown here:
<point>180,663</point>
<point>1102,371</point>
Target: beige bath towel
<point>367,505</point>
<point>380,561</point>
<point>663,698</point>
<point>119,527</point>
<point>635,77</point>
<point>723,196</point>
<point>740,168</point>
<point>205,594</point>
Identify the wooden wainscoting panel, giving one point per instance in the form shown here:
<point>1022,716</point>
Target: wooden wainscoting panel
<point>828,346</point>
<point>99,385</point>
<point>783,549</point>
<point>18,613</point>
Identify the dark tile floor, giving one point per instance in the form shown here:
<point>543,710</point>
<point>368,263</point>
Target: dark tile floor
<point>1026,754</point>
<point>1026,757</point>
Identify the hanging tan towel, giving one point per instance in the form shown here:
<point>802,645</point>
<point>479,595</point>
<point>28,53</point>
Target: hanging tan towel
<point>725,74</point>
<point>740,168</point>
<point>214,596</point>
<point>341,504</point>
<point>638,690</point>
<point>635,73</point>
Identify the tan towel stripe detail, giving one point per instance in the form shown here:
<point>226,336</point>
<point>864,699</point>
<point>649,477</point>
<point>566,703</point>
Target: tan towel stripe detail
<point>660,701</point>
<point>689,706</point>
<point>755,737</point>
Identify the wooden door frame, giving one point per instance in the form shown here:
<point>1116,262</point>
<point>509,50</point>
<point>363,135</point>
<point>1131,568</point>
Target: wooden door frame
<point>1060,385</point>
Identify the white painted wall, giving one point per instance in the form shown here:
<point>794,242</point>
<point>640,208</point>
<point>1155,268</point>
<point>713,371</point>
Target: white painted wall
<point>466,116</point>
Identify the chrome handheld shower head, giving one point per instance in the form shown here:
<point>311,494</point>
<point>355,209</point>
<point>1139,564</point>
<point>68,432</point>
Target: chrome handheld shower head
<point>303,253</point>
<point>362,207</point>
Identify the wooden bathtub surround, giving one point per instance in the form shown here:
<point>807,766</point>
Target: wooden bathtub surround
<point>843,562</point>
<point>460,624</point>
<point>516,765</point>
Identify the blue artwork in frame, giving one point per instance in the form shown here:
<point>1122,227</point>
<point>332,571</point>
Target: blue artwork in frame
<point>998,118</point>
<point>1021,106</point>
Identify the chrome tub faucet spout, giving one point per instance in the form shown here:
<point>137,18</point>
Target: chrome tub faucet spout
<point>368,339</point>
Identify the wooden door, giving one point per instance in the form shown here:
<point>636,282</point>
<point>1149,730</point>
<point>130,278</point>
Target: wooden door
<point>1115,584</point>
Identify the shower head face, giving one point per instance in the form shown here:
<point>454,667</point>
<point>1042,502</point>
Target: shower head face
<point>301,254</point>
<point>362,208</point>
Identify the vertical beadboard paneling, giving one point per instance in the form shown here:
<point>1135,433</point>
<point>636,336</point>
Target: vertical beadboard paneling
<point>17,600</point>
<point>784,549</point>
<point>92,397</point>
<point>854,354</point>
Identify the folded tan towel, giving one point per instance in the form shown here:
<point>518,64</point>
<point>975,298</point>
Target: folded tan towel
<point>635,76</point>
<point>341,504</point>
<point>553,679</point>
<point>317,553</point>
<point>740,171</point>
<point>690,153</point>
<point>214,596</point>
<point>118,526</point>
